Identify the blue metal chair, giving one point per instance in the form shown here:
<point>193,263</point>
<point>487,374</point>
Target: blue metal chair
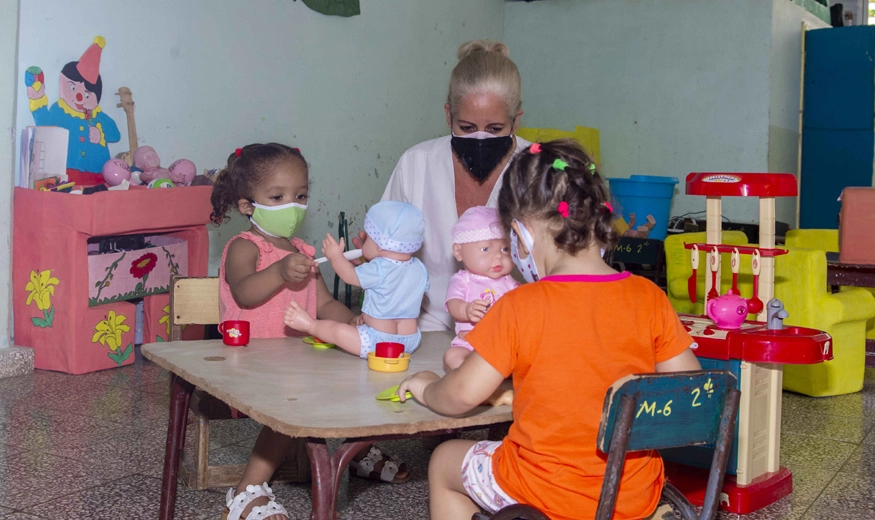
<point>660,411</point>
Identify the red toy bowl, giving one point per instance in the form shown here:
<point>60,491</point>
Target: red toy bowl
<point>389,350</point>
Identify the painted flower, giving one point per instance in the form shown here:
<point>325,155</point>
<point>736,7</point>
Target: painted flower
<point>42,288</point>
<point>109,331</point>
<point>166,318</point>
<point>144,265</point>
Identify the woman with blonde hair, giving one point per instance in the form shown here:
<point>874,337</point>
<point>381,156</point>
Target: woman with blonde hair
<point>443,177</point>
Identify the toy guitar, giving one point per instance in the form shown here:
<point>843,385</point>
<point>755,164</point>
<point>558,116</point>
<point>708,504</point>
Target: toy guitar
<point>127,103</point>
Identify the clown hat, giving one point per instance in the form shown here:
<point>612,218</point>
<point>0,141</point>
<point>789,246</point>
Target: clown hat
<point>89,63</point>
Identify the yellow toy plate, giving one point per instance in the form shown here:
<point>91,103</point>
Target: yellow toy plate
<point>318,343</point>
<point>388,364</point>
<point>391,394</point>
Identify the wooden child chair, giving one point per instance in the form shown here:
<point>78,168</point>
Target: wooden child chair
<point>195,301</point>
<point>660,411</point>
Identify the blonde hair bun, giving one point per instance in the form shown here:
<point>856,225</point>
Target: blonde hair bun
<point>473,46</point>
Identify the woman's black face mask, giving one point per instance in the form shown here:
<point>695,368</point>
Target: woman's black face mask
<point>480,155</point>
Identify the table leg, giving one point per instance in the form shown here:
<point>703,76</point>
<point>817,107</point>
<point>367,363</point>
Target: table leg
<point>180,394</point>
<point>327,472</point>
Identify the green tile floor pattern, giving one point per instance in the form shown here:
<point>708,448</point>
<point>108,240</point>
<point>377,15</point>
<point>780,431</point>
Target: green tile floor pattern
<point>92,447</point>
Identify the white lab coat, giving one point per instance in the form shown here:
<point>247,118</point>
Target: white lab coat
<point>424,178</point>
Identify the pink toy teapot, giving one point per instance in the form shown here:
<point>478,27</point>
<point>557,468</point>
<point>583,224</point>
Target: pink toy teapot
<point>728,311</point>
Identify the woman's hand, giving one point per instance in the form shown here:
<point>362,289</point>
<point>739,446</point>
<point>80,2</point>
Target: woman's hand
<point>416,385</point>
<point>296,267</point>
<point>331,248</point>
<point>476,309</point>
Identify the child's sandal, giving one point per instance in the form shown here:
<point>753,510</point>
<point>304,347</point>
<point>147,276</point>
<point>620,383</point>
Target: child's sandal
<point>377,466</point>
<point>236,505</point>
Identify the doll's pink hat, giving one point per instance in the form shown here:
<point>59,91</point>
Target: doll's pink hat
<point>476,224</point>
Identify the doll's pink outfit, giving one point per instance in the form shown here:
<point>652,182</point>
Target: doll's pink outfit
<point>467,286</point>
<point>266,320</point>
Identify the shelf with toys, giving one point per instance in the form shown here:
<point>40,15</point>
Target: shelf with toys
<point>754,350</point>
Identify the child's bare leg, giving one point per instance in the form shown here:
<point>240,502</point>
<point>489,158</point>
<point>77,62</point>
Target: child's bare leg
<point>448,499</point>
<point>267,455</point>
<point>454,356</point>
<point>343,335</point>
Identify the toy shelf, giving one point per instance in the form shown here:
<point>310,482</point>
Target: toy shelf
<point>743,250</point>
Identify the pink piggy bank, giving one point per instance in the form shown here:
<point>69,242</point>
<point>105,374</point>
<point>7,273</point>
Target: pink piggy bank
<point>728,311</point>
<point>146,158</point>
<point>115,171</point>
<point>157,173</point>
<point>182,172</point>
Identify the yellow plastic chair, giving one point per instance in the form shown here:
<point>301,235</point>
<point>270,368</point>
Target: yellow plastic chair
<point>678,270</point>
<point>825,240</point>
<point>800,283</point>
<point>587,137</point>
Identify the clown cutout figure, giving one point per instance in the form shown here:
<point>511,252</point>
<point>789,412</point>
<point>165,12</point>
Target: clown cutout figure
<point>77,110</point>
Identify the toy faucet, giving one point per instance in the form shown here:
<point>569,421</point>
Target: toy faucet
<point>775,314</point>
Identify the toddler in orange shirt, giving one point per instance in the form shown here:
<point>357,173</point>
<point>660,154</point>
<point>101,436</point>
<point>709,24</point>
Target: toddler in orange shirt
<point>565,339</point>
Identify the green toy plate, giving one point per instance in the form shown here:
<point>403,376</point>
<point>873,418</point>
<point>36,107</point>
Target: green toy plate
<point>391,394</point>
<point>318,343</point>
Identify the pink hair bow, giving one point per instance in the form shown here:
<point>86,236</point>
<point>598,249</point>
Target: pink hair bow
<point>563,209</point>
<point>535,148</point>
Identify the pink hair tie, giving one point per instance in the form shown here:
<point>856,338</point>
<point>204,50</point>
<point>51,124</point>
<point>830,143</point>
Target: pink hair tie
<point>535,148</point>
<point>297,150</point>
<point>238,152</point>
<point>563,209</point>
<point>608,205</point>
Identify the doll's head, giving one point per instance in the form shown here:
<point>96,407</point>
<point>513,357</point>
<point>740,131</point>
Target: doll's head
<point>146,158</point>
<point>395,230</point>
<point>479,242</point>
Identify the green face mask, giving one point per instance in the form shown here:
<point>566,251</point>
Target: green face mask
<point>279,221</point>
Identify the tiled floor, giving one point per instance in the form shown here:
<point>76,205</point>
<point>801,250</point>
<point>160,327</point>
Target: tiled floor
<point>92,447</point>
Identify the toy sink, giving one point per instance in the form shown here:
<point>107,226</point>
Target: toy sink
<point>381,364</point>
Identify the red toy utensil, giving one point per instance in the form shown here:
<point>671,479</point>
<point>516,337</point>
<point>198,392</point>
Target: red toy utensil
<point>755,305</point>
<point>734,288</point>
<point>715,263</point>
<point>691,281</point>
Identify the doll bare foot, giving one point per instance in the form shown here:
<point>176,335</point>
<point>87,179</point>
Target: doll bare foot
<point>297,318</point>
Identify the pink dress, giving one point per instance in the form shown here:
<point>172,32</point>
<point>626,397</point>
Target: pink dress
<point>467,286</point>
<point>266,320</point>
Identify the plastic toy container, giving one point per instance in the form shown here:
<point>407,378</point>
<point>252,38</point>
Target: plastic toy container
<point>388,364</point>
<point>645,195</point>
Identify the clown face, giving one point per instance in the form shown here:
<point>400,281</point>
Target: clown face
<point>76,95</point>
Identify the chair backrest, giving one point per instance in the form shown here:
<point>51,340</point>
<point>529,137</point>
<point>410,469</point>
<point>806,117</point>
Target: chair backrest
<point>193,301</point>
<point>658,411</point>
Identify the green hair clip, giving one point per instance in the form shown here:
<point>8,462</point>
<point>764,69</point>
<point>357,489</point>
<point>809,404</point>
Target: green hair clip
<point>559,164</point>
<point>591,168</point>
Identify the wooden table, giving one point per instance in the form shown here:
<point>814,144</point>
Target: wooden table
<point>857,275</point>
<point>302,392</point>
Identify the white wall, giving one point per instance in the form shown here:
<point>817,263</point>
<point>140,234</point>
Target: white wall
<point>8,83</point>
<point>208,77</point>
<point>784,92</point>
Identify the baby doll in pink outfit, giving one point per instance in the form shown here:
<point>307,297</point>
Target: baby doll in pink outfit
<point>480,243</point>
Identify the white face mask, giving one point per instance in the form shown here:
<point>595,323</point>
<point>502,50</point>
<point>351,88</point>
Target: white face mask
<point>526,266</point>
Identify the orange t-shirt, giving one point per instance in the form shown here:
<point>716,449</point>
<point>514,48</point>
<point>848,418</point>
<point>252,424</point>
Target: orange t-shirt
<point>565,340</point>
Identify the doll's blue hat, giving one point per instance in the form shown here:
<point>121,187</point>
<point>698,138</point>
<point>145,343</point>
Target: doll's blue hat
<point>395,226</point>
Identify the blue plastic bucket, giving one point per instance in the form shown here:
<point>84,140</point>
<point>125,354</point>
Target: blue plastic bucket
<point>645,195</point>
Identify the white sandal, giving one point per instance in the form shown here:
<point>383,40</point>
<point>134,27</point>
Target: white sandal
<point>236,505</point>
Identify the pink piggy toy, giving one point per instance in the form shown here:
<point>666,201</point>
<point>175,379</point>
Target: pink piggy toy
<point>182,172</point>
<point>146,158</point>
<point>728,311</point>
<point>115,171</point>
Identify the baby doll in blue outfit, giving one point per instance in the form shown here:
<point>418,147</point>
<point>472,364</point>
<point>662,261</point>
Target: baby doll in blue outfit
<point>393,279</point>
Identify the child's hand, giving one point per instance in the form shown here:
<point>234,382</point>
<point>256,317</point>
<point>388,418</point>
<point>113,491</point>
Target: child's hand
<point>476,309</point>
<point>416,384</point>
<point>296,267</point>
<point>331,248</point>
